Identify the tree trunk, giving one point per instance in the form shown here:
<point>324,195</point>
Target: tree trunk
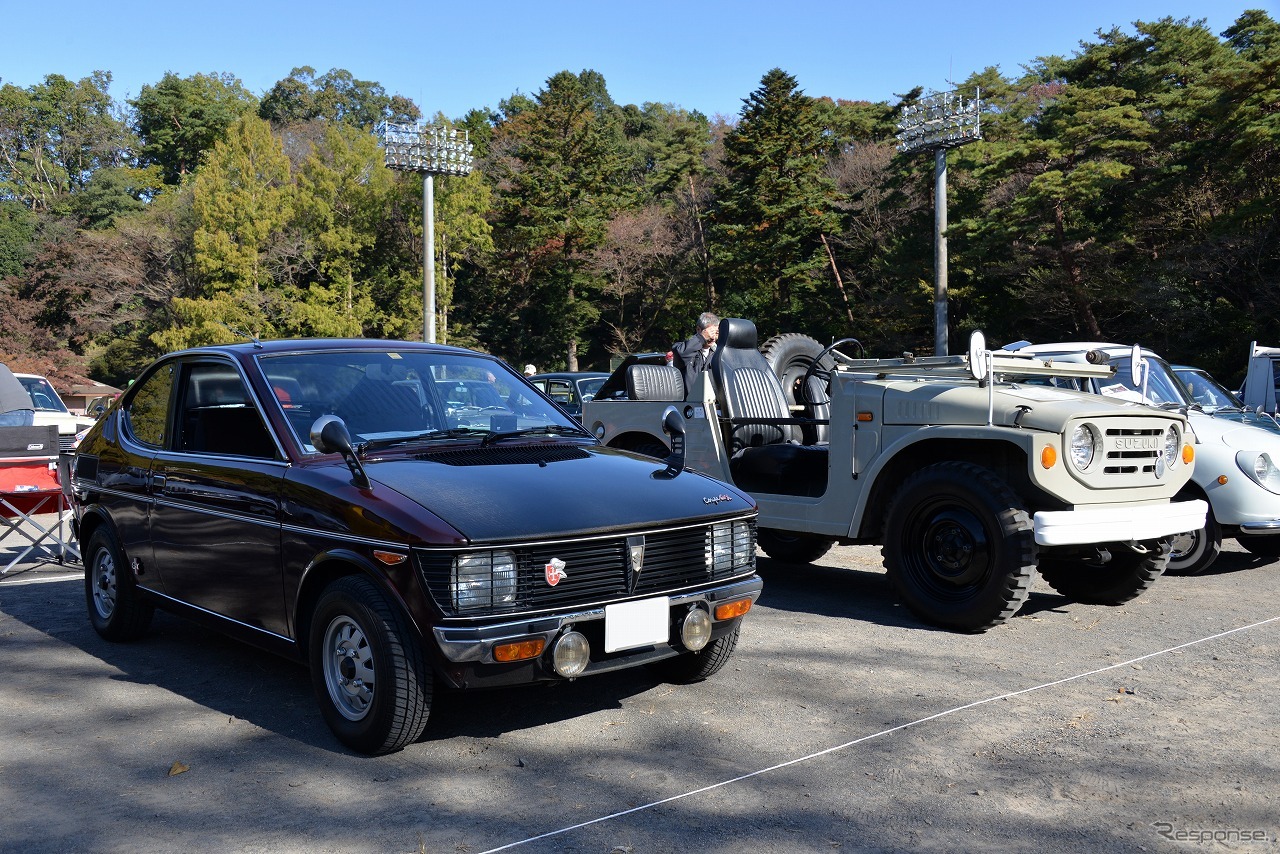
<point>848,310</point>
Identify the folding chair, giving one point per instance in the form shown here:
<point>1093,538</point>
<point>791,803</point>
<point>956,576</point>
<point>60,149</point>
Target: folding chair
<point>30,486</point>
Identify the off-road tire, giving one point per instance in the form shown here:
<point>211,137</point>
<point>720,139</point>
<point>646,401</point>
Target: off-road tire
<point>652,449</point>
<point>959,547</point>
<point>790,355</point>
<point>358,637</point>
<point>1114,582</point>
<point>695,666</point>
<point>111,597</point>
<point>790,547</point>
<point>1195,551</point>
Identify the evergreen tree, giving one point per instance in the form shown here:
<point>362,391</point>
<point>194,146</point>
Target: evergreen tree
<point>776,207</point>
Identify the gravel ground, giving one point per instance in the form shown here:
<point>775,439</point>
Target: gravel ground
<point>841,724</point>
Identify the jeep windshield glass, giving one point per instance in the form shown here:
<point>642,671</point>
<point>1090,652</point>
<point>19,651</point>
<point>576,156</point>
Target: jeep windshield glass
<point>1162,387</point>
<point>392,396</point>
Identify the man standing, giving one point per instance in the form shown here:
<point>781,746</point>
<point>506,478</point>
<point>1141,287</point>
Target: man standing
<point>694,355</point>
<point>16,408</point>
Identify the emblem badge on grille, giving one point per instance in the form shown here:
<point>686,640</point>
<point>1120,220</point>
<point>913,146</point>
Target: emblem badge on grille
<point>635,560</point>
<point>555,571</point>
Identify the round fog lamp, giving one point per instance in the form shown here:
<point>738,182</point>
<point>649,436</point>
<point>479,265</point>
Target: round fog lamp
<point>571,654</point>
<point>695,631</point>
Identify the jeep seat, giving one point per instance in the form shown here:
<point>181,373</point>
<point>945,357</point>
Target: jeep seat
<point>763,437</point>
<point>655,382</point>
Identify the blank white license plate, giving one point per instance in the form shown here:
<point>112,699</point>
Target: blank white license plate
<point>635,624</point>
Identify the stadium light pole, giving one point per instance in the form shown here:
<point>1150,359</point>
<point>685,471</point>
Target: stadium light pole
<point>937,123</point>
<point>432,150</point>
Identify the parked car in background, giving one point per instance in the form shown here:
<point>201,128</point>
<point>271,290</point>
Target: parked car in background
<point>98,406</point>
<point>570,389</point>
<point>1237,468</point>
<point>49,409</point>
<point>339,502</point>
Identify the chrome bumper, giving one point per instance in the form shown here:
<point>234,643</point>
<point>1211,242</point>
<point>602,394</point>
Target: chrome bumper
<point>474,644</point>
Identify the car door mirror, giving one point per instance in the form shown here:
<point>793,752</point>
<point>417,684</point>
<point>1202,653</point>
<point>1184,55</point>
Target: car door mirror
<point>329,435</point>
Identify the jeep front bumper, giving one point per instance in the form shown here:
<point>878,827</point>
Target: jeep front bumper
<point>1118,524</point>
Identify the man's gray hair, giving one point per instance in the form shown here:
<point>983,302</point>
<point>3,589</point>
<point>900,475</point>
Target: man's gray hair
<point>706,319</point>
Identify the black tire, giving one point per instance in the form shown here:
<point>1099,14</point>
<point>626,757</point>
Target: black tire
<point>115,608</point>
<point>695,666</point>
<point>791,356</point>
<point>790,547</point>
<point>1266,546</point>
<point>1195,551</point>
<point>1114,582</point>
<point>959,547</point>
<point>358,638</point>
<point>657,450</point>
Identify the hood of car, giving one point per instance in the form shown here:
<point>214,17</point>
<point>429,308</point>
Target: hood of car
<point>1247,419</point>
<point>520,491</point>
<point>1235,434</point>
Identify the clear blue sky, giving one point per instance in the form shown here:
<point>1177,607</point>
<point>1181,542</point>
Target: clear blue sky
<point>450,57</point>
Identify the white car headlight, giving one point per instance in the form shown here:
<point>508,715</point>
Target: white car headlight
<point>1261,469</point>
<point>484,580</point>
<point>729,545</point>
<point>1086,445</point>
<point>1172,445</point>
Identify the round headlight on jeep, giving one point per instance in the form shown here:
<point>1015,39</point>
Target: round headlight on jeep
<point>1086,443</point>
<point>1172,445</point>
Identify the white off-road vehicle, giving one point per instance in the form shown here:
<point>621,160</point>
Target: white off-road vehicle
<point>969,477</point>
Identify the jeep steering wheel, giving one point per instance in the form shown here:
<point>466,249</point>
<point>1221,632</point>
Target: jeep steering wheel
<point>814,370</point>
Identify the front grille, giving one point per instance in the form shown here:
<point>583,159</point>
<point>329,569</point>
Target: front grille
<point>1133,450</point>
<point>595,570</point>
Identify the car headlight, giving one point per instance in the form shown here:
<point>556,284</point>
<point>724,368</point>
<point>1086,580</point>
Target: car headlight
<point>1172,445</point>
<point>1086,444</point>
<point>484,580</point>
<point>1261,469</point>
<point>730,545</point>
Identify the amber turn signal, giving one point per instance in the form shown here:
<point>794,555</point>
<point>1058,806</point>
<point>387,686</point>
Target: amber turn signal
<point>865,417</point>
<point>389,558</point>
<point>1188,454</point>
<point>729,610</point>
<point>1222,480</point>
<point>519,650</point>
<point>1048,457</point>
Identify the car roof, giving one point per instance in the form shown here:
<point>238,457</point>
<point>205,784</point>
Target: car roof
<point>299,345</point>
<point>1081,347</point>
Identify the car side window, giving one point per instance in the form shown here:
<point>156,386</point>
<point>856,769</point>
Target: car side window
<point>219,416</point>
<point>148,411</point>
<point>559,391</point>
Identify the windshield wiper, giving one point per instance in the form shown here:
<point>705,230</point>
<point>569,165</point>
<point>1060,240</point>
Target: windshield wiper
<point>430,435</point>
<point>544,430</point>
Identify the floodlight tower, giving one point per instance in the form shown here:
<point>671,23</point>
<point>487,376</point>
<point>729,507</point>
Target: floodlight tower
<point>937,123</point>
<point>432,150</point>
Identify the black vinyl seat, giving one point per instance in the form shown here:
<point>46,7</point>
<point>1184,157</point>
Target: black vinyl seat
<point>765,440</point>
<point>655,382</point>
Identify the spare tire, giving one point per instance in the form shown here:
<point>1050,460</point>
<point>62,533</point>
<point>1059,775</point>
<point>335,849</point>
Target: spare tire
<point>790,355</point>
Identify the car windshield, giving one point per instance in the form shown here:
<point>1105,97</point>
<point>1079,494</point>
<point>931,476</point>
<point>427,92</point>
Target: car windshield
<point>1208,392</point>
<point>587,389</point>
<point>391,397</point>
<point>43,397</point>
<point>1162,387</point>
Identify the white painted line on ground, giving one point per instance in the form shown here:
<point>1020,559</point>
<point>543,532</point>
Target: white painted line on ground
<point>18,581</point>
<point>837,748</point>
